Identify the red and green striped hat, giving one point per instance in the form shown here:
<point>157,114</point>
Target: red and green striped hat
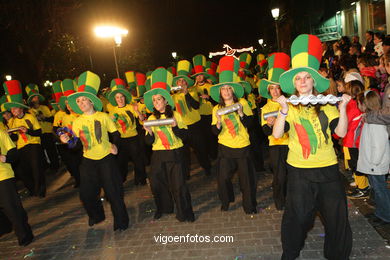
<point>88,86</point>
<point>228,75</point>
<point>306,53</point>
<point>161,81</point>
<point>130,78</point>
<point>199,62</point>
<point>183,71</point>
<point>261,60</point>
<point>147,82</point>
<point>13,92</point>
<point>211,65</point>
<point>68,87</point>
<point>211,69</point>
<point>278,63</point>
<point>172,70</point>
<point>245,60</point>
<point>118,86</point>
<point>57,92</point>
<point>140,79</point>
<point>32,90</point>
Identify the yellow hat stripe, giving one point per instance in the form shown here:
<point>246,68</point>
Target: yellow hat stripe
<point>300,60</point>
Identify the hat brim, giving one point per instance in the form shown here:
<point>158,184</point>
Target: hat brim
<point>97,103</point>
<point>190,81</point>
<point>201,73</point>
<point>148,97</point>
<point>237,89</point>
<point>10,105</point>
<point>287,80</point>
<point>40,97</point>
<point>247,87</point>
<point>263,88</point>
<point>55,106</point>
<point>111,96</point>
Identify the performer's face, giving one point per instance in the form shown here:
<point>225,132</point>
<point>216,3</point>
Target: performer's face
<point>181,82</point>
<point>120,99</point>
<point>200,78</point>
<point>159,103</point>
<point>226,92</point>
<point>304,83</point>
<point>7,115</point>
<point>35,101</point>
<point>85,104</point>
<point>274,91</point>
<point>17,111</point>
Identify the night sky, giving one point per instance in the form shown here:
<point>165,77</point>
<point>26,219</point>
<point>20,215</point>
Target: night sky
<point>188,27</point>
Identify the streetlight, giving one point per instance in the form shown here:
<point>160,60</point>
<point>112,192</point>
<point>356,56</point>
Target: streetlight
<point>8,77</point>
<point>48,83</point>
<point>261,41</point>
<point>174,55</point>
<point>275,15</point>
<point>112,32</point>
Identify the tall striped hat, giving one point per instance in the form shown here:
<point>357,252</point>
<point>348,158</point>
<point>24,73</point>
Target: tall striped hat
<point>130,78</point>
<point>161,81</point>
<point>118,86</point>
<point>140,79</point>
<point>68,87</point>
<point>32,90</point>
<point>183,71</point>
<point>199,62</point>
<point>13,92</point>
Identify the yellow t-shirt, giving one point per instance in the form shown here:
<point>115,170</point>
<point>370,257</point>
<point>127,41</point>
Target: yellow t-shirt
<point>252,101</point>
<point>309,145</point>
<point>6,144</point>
<point>109,107</point>
<point>206,107</point>
<point>233,133</point>
<point>189,115</point>
<point>105,103</point>
<point>57,122</point>
<point>42,110</point>
<point>125,120</point>
<point>164,138</point>
<point>93,133</point>
<point>30,122</point>
<point>68,119</point>
<point>272,106</point>
<point>2,126</point>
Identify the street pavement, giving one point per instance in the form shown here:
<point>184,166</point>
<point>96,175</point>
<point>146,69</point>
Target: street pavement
<point>61,229</point>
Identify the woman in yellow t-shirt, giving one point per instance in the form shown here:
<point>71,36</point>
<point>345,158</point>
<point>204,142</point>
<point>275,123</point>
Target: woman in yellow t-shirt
<point>167,178</point>
<point>234,147</point>
<point>12,213</point>
<point>314,182</point>
<point>99,168</point>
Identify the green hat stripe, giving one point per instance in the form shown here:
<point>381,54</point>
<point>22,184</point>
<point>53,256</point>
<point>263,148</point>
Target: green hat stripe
<point>199,60</point>
<point>276,72</point>
<point>300,44</point>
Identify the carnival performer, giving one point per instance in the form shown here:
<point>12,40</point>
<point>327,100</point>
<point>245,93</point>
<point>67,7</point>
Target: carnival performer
<point>26,134</point>
<point>125,116</point>
<point>278,63</point>
<point>167,180</point>
<point>314,182</point>
<point>233,138</point>
<point>98,168</point>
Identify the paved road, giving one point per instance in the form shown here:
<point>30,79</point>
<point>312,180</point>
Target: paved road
<point>60,226</point>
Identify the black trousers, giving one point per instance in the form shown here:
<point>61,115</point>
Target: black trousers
<point>168,184</point>
<point>230,160</point>
<point>30,169</point>
<point>48,144</point>
<point>97,174</point>
<point>12,214</point>
<point>72,160</point>
<point>309,191</point>
<point>197,140</point>
<point>278,156</point>
<point>211,139</point>
<point>130,148</point>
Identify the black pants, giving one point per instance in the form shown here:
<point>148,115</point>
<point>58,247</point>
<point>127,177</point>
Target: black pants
<point>48,144</point>
<point>130,148</point>
<point>278,156</point>
<point>12,213</point>
<point>211,139</point>
<point>30,169</point>
<point>168,184</point>
<point>309,191</point>
<point>97,174</point>
<point>72,160</point>
<point>230,160</point>
<point>196,139</point>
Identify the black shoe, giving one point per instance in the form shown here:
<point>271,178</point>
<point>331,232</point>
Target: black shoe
<point>224,207</point>
<point>251,212</point>
<point>157,215</point>
<point>27,240</point>
<point>191,218</point>
<point>359,193</point>
<point>92,221</point>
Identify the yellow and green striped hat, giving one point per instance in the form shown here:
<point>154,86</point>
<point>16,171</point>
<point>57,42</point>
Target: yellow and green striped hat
<point>183,71</point>
<point>161,81</point>
<point>130,78</point>
<point>306,53</point>
<point>32,90</point>
<point>88,86</point>
<point>118,86</point>
<point>68,87</point>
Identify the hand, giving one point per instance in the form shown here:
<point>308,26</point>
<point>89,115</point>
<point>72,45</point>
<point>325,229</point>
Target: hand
<point>271,121</point>
<point>3,158</point>
<point>282,100</point>
<point>204,96</point>
<point>23,129</point>
<point>148,129</point>
<point>114,149</point>
<point>135,107</point>
<point>174,122</point>
<point>345,100</point>
<point>64,138</point>
<point>184,89</point>
<point>240,113</point>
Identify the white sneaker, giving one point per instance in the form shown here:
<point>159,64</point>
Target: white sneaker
<point>353,184</point>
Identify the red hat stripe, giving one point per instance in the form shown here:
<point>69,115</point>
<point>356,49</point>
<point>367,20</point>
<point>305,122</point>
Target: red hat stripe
<point>199,68</point>
<point>70,91</point>
<point>81,88</point>
<point>162,85</point>
<point>281,60</point>
<point>226,63</point>
<point>315,47</point>
<point>242,64</point>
